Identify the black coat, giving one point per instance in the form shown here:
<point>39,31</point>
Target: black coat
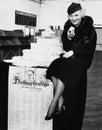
<point>73,73</point>
<point>69,70</point>
<point>84,42</point>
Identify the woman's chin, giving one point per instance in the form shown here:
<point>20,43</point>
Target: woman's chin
<point>75,23</point>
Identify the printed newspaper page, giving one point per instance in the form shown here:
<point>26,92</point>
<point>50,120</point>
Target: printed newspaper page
<point>29,96</point>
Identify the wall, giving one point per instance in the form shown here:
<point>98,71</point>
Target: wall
<point>7,12</point>
<point>49,13</point>
<point>94,8</point>
<point>54,13</point>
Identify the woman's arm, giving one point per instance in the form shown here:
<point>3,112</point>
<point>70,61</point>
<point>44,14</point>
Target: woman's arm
<point>66,43</point>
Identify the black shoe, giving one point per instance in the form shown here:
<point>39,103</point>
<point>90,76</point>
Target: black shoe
<point>48,117</point>
<point>59,110</point>
<point>51,112</point>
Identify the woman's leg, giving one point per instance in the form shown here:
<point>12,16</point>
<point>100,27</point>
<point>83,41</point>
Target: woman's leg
<point>54,81</point>
<point>60,101</point>
<point>59,90</point>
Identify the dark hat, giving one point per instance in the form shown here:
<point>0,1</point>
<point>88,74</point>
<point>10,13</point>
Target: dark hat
<point>73,8</point>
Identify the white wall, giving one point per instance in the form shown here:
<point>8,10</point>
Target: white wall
<point>49,13</point>
<point>94,8</point>
<point>7,12</point>
<point>55,13</point>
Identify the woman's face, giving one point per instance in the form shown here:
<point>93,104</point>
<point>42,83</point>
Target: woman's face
<point>76,17</point>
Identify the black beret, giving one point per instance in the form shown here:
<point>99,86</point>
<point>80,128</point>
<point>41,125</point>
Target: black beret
<point>73,8</point>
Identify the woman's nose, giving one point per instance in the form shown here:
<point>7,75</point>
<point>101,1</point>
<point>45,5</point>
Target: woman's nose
<point>73,18</point>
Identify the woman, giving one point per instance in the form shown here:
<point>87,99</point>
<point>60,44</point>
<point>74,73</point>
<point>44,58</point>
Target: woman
<point>79,42</point>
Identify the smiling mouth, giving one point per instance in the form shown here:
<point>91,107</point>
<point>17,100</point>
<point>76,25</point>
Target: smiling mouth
<point>75,21</point>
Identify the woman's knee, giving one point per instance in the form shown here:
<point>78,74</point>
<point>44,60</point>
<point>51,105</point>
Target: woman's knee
<point>54,80</point>
<point>60,84</point>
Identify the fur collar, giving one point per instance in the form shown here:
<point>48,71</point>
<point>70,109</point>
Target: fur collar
<point>85,23</point>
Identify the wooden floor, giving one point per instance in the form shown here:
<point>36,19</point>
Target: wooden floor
<point>93,113</point>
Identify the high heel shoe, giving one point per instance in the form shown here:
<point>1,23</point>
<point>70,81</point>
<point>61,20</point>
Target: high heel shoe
<point>59,110</point>
<point>49,117</point>
<point>56,113</point>
<point>51,112</point>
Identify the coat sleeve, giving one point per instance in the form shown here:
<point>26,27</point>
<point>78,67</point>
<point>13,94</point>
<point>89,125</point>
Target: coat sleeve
<point>65,41</point>
<point>88,40</point>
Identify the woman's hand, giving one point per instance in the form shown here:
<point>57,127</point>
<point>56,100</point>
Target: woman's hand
<point>71,33</point>
<point>68,54</point>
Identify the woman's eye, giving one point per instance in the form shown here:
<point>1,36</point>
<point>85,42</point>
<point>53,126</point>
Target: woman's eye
<point>76,15</point>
